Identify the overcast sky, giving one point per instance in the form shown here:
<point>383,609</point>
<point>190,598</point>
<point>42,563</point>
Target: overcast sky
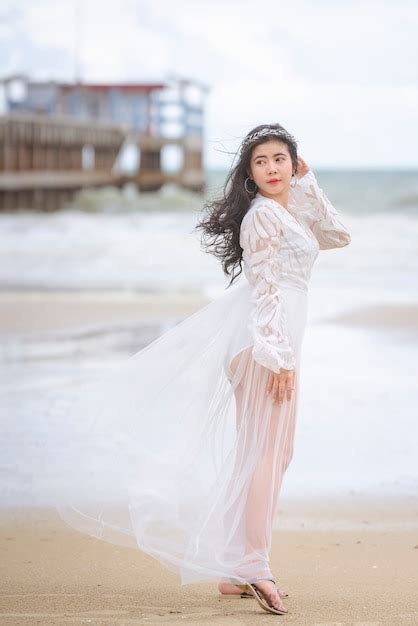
<point>340,76</point>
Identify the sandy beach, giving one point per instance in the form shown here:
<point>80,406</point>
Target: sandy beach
<point>348,562</point>
<point>360,575</point>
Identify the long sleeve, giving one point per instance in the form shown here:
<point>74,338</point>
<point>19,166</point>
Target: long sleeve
<point>308,202</point>
<point>260,239</point>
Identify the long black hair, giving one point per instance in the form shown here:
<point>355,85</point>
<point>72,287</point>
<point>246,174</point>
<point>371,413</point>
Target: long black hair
<point>221,221</point>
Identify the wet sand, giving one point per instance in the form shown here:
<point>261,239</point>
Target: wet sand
<point>392,316</point>
<point>26,311</point>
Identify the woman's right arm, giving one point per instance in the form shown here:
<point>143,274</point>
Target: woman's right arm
<point>310,203</point>
<point>260,239</point>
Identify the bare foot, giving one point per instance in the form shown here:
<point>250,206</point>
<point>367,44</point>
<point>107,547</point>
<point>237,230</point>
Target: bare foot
<point>270,592</point>
<point>231,589</point>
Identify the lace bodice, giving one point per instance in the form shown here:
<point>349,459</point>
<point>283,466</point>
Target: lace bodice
<point>279,249</point>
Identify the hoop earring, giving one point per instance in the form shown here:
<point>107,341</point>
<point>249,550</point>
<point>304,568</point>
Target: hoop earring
<point>295,181</point>
<point>250,190</point>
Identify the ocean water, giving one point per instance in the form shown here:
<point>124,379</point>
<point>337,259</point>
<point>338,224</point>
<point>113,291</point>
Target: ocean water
<point>131,241</point>
<point>357,422</point>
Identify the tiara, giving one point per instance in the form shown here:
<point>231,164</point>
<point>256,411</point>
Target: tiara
<point>263,132</point>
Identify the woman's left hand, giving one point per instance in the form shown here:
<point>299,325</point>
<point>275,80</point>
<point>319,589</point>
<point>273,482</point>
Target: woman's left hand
<point>303,167</point>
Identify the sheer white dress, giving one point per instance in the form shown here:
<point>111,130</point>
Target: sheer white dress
<point>181,453</point>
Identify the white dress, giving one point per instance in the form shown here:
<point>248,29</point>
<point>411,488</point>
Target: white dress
<point>181,453</point>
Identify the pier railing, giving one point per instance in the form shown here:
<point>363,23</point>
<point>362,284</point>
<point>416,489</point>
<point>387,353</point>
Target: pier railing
<point>42,163</point>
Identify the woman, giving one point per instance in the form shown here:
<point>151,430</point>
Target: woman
<point>183,451</point>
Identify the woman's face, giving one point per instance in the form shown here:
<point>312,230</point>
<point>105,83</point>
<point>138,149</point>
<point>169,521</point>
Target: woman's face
<point>271,161</point>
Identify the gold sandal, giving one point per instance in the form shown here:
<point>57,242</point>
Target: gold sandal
<point>260,597</point>
<point>244,593</point>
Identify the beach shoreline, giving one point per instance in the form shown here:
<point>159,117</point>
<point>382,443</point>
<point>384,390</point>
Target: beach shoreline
<point>24,311</point>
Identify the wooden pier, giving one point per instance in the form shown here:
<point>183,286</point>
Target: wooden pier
<point>41,160</point>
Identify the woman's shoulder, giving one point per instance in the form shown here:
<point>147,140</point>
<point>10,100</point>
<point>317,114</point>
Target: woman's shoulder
<point>262,219</point>
<point>263,209</point>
